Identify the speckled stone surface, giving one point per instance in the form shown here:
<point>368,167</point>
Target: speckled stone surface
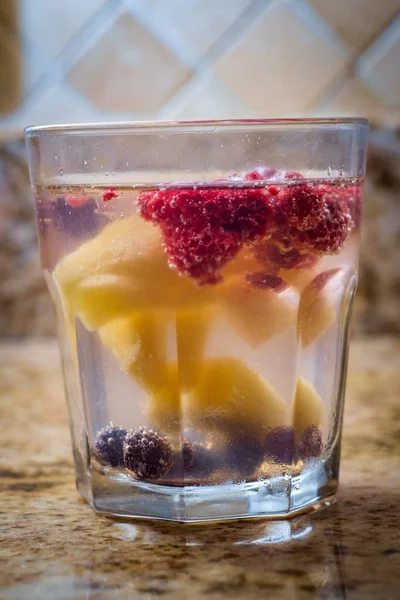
<point>53,547</point>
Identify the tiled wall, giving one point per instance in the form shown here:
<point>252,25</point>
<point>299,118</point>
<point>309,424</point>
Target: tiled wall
<point>91,60</point>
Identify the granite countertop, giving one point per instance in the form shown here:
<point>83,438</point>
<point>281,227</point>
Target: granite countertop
<point>54,547</point>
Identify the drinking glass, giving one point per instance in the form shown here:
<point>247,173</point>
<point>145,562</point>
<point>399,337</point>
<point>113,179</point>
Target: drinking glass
<point>202,274</point>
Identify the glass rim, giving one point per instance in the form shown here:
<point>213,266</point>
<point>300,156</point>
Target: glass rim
<point>188,125</point>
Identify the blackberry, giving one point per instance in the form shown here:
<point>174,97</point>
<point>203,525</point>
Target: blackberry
<point>109,445</point>
<point>279,445</point>
<point>205,462</point>
<point>244,455</point>
<point>188,453</point>
<point>311,443</point>
<point>78,220</point>
<point>148,454</point>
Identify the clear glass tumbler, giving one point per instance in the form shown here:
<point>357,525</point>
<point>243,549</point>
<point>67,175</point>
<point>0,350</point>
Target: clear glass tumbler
<point>203,275</point>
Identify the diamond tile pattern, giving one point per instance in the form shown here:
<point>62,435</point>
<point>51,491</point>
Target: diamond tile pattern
<point>51,24</point>
<point>209,99</point>
<point>359,100</point>
<point>194,24</point>
<point>384,67</point>
<point>280,65</point>
<point>128,69</point>
<point>357,22</point>
<point>111,59</point>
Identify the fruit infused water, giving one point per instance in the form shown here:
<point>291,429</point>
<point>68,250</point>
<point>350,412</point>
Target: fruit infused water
<point>202,320</point>
<point>206,319</point>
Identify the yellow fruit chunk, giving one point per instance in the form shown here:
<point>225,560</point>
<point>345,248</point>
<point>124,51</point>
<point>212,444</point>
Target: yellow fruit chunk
<point>298,279</point>
<point>231,393</point>
<point>316,314</point>
<point>308,408</point>
<point>256,314</point>
<point>192,327</point>
<point>139,342</point>
<point>244,262</point>
<point>123,269</point>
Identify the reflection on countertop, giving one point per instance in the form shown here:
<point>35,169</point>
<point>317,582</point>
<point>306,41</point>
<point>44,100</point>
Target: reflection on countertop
<point>54,546</point>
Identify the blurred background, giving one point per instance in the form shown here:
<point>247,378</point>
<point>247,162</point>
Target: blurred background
<point>95,60</point>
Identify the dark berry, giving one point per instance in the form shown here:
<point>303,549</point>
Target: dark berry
<point>76,219</point>
<point>205,462</point>
<point>279,445</point>
<point>243,456</point>
<point>311,443</point>
<point>265,281</point>
<point>148,454</point>
<point>204,229</point>
<point>109,194</point>
<point>109,445</point>
<point>188,453</point>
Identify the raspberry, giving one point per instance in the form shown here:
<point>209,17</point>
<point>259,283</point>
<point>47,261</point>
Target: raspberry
<point>148,454</point>
<point>265,281</point>
<point>293,175</point>
<point>204,229</point>
<point>269,252</point>
<point>311,444</point>
<point>303,206</point>
<point>109,194</point>
<point>329,236</point>
<point>260,174</point>
<point>109,445</point>
<point>279,445</point>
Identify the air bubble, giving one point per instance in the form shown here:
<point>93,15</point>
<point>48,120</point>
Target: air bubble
<point>85,164</point>
<point>61,171</point>
<point>56,157</point>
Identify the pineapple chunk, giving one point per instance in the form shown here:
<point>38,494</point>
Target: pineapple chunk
<point>123,269</point>
<point>139,342</point>
<point>232,394</point>
<point>315,316</point>
<point>298,278</point>
<point>308,408</point>
<point>257,314</point>
<point>192,328</point>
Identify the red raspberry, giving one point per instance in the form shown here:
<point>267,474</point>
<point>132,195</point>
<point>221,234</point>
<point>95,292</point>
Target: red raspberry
<point>313,219</point>
<point>261,173</point>
<point>330,234</point>
<point>303,205</point>
<point>269,252</point>
<point>293,175</point>
<point>109,194</point>
<point>204,229</point>
<point>266,281</point>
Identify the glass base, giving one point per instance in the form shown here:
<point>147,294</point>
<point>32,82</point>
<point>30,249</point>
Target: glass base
<point>276,497</point>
